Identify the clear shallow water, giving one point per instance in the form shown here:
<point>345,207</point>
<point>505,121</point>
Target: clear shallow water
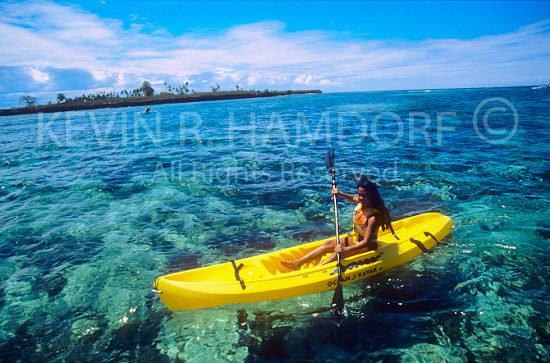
<point>96,205</point>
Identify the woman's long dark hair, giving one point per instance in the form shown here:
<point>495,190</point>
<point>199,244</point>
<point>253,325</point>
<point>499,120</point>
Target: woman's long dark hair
<point>376,202</point>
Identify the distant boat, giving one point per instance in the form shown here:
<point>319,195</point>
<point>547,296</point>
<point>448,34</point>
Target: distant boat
<point>420,91</point>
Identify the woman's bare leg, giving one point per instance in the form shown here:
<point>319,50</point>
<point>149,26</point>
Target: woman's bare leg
<point>318,252</point>
<point>343,255</point>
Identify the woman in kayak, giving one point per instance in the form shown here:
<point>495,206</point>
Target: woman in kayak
<point>370,214</point>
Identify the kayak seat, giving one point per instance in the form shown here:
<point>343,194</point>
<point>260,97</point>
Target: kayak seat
<point>270,265</point>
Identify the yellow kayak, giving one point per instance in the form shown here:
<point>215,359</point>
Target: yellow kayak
<point>263,277</point>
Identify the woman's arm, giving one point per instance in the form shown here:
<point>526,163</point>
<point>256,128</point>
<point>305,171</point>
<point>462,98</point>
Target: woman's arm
<point>346,196</point>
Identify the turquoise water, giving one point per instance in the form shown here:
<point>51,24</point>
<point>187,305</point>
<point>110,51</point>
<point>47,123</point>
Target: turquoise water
<point>96,205</point>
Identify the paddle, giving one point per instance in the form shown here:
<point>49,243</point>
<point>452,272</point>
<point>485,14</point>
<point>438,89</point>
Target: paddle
<point>337,306</point>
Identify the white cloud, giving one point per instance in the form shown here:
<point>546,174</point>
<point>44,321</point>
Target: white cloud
<point>327,82</point>
<point>303,79</point>
<point>311,80</point>
<point>102,74</point>
<point>252,79</point>
<point>120,80</point>
<point>41,35</point>
<point>38,76</point>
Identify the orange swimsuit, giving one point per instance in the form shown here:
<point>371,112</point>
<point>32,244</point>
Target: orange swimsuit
<point>360,219</point>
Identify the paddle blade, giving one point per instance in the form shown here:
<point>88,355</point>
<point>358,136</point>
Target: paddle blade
<point>329,160</point>
<point>337,307</point>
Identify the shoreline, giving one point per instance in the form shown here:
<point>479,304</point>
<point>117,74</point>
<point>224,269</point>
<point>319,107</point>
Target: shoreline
<point>146,101</point>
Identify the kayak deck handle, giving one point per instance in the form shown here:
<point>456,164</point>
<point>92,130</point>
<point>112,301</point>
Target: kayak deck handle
<point>155,285</point>
<point>428,234</point>
<point>421,246</point>
<point>237,268</point>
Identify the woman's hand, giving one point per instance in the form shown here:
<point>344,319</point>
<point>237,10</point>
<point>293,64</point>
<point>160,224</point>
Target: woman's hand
<point>339,249</point>
<point>335,192</point>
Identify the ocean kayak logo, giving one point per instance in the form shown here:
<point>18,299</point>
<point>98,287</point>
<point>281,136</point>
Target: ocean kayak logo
<point>351,266</point>
<point>360,274</point>
<point>495,115</point>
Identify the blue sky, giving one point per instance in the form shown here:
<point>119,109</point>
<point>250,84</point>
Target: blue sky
<point>102,45</point>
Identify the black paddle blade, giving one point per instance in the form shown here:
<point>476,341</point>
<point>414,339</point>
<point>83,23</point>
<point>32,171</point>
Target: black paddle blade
<point>337,307</point>
<point>329,160</point>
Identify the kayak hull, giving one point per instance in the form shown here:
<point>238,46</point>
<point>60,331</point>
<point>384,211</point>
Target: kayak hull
<point>264,278</point>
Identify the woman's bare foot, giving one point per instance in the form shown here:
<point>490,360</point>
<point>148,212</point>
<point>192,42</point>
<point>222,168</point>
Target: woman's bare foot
<point>293,265</point>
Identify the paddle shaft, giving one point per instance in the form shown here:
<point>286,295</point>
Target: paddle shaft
<point>338,298</point>
<point>337,227</point>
